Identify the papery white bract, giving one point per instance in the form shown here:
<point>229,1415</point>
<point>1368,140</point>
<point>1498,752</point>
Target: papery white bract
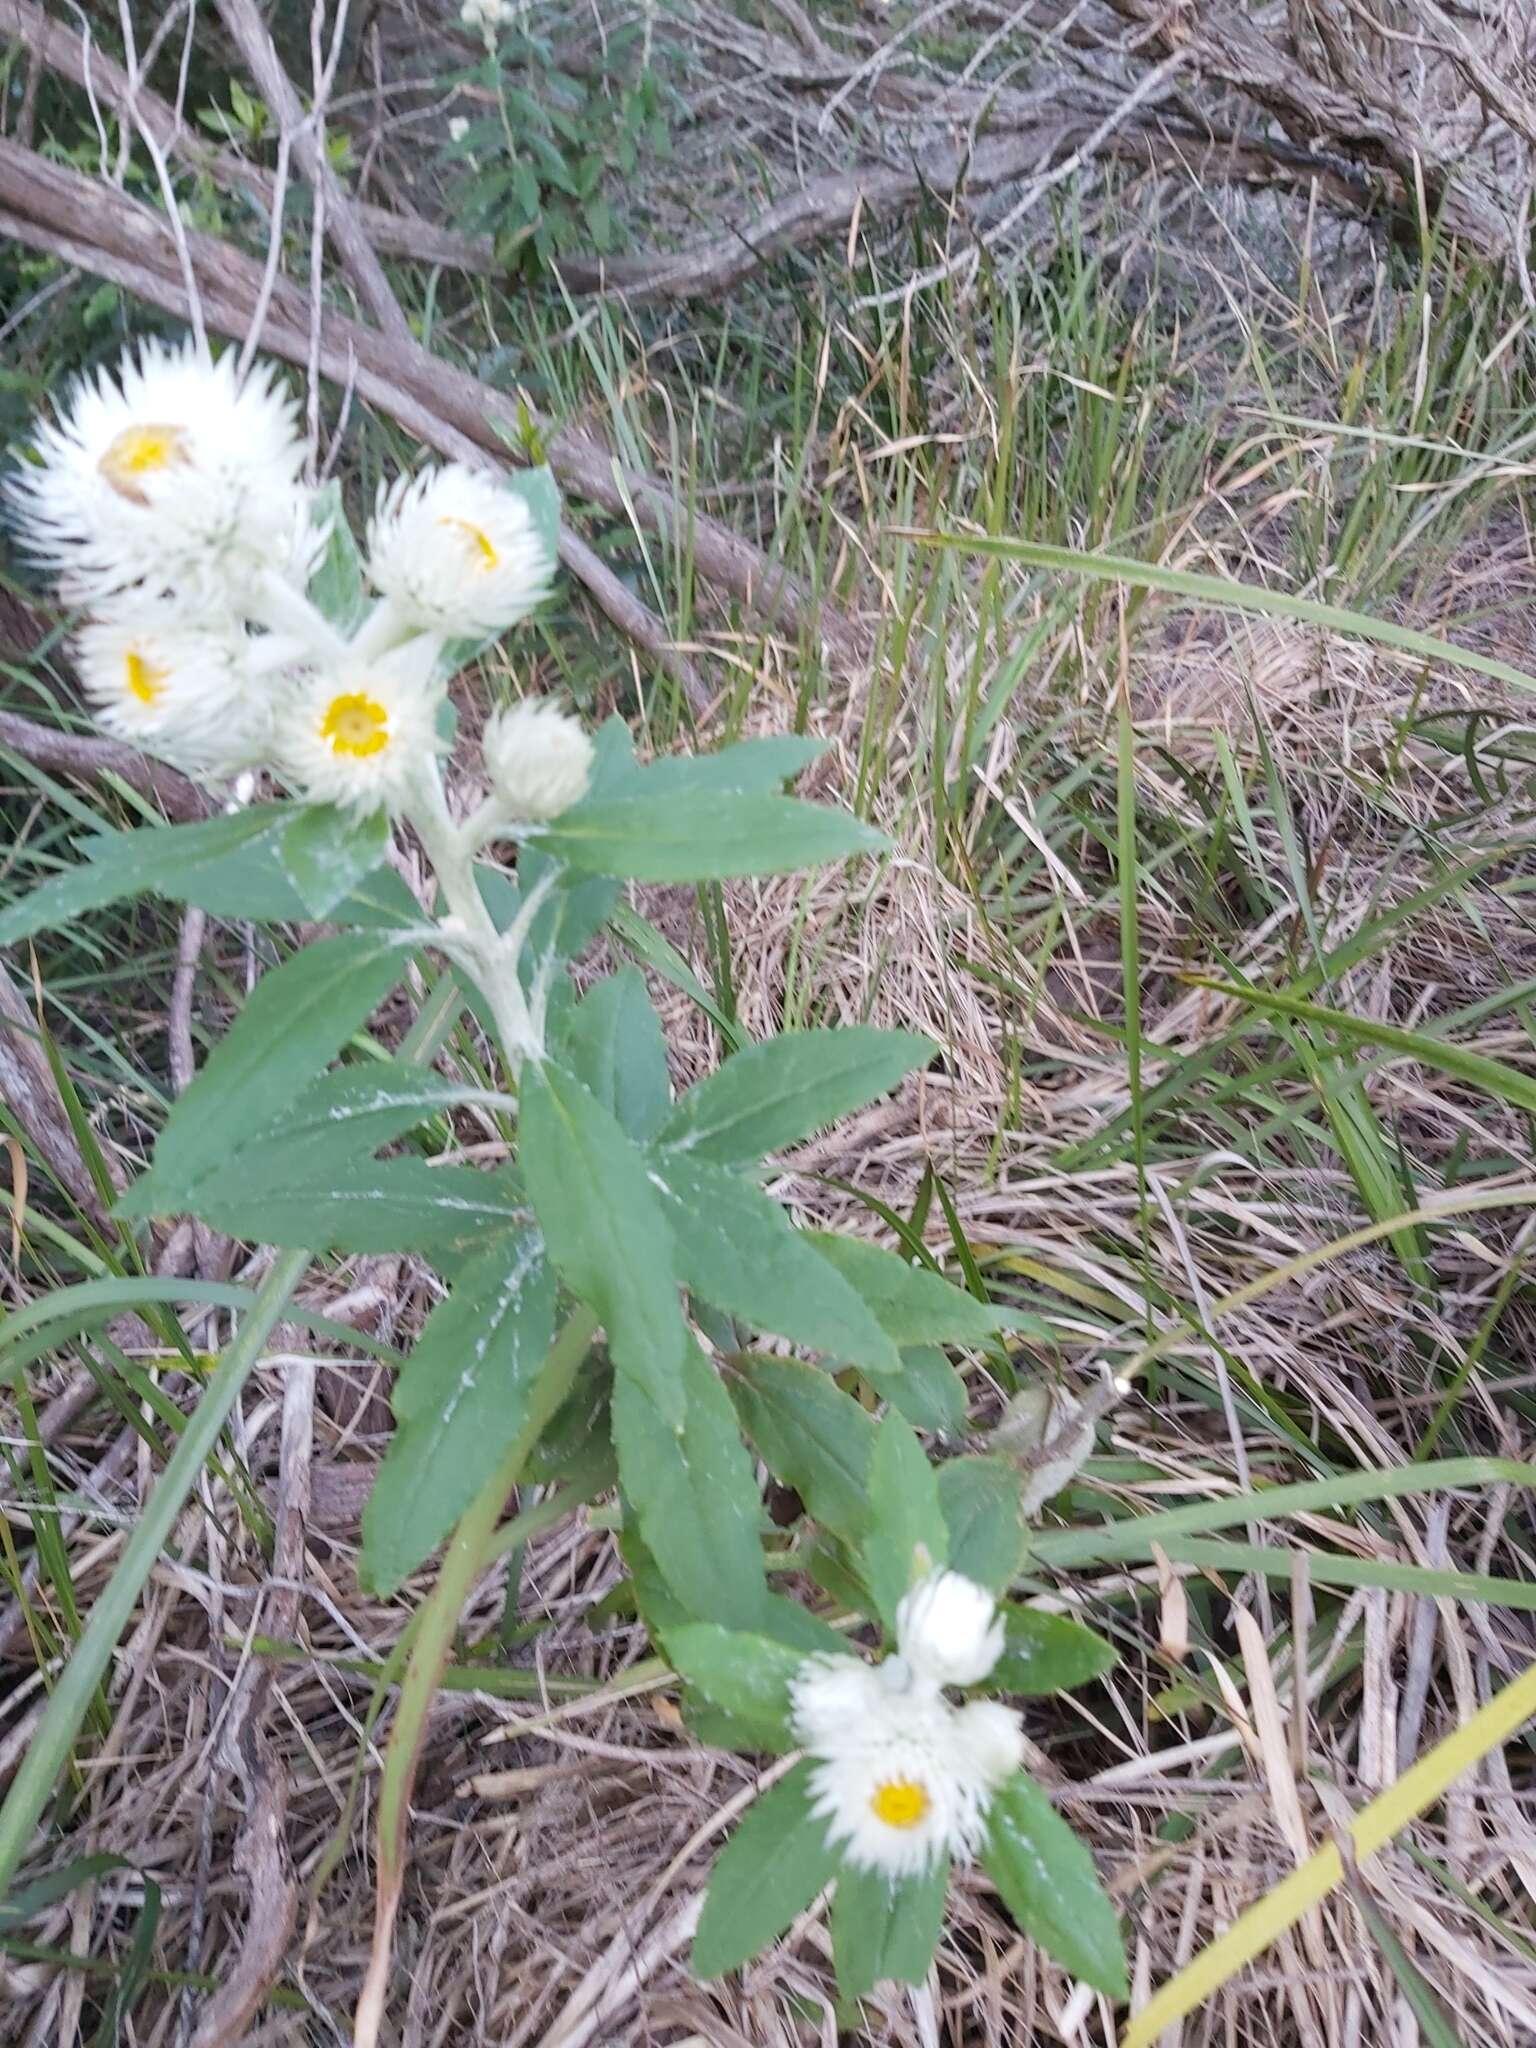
<point>455,553</point>
<point>171,473</point>
<point>198,697</point>
<point>949,1630</point>
<point>360,734</point>
<point>903,1779</point>
<point>538,758</point>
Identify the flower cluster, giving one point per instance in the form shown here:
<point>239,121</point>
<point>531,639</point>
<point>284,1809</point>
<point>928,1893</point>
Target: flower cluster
<point>169,501</point>
<point>904,1778</point>
<point>485,15</point>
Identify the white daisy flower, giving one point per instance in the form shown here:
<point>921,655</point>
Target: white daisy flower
<point>358,734</point>
<point>202,698</point>
<point>949,1630</point>
<point>538,758</point>
<point>903,1779</point>
<point>456,554</point>
<point>172,472</point>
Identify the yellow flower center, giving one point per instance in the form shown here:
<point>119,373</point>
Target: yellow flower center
<point>477,543</point>
<point>139,452</point>
<point>141,678</point>
<point>354,724</point>
<point>900,1802</point>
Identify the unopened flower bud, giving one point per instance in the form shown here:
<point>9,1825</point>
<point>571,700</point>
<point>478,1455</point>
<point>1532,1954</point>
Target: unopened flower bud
<point>538,758</point>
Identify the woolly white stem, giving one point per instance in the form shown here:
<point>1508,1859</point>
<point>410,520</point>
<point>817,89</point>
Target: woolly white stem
<point>492,956</point>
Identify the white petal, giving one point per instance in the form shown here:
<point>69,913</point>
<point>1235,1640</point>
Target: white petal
<point>949,1629</point>
<point>457,554</point>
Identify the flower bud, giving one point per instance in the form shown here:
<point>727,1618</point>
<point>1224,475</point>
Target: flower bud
<point>538,758</point>
<point>949,1629</point>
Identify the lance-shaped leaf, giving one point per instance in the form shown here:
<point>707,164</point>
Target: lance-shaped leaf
<point>884,1928</point>
<point>1048,1883</point>
<point>708,836</point>
<point>770,1870</point>
<point>613,1043</point>
<point>774,1094</point>
<point>460,1404</point>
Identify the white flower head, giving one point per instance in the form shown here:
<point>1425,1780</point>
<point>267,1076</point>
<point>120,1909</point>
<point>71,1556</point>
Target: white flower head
<point>172,472</point>
<point>455,553</point>
<point>538,758</point>
<point>903,1779</point>
<point>358,734</point>
<point>458,128</point>
<point>201,697</point>
<point>949,1630</point>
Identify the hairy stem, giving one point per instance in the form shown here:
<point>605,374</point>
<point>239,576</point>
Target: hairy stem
<point>494,954</point>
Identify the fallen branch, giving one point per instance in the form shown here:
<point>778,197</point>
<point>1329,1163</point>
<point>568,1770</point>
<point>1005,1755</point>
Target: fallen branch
<point>94,759</point>
<point>51,207</point>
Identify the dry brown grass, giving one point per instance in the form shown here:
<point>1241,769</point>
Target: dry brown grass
<point>559,1847</point>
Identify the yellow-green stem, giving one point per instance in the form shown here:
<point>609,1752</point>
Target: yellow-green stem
<point>434,1632</point>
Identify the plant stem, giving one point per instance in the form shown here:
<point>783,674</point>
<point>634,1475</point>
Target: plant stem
<point>50,1747</point>
<point>436,1623</point>
<point>450,850</point>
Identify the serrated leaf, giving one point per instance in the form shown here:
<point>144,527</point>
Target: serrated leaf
<point>769,1871</point>
<point>1048,1653</point>
<point>737,1248</point>
<point>884,1930</point>
<point>460,1404</point>
<point>774,1094</point>
<point>1047,1881</point>
<point>294,1022</point>
<point>326,852</point>
<point>713,836</point>
<point>613,1044</point>
<point>748,1676</point>
<point>812,1436</point>
<point>980,1500</point>
<point>692,1491</point>
<point>603,1223</point>
<point>907,1536</point>
<point>912,1306</point>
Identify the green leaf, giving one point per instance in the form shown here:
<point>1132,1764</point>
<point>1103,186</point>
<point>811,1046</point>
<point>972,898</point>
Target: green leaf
<point>327,852</point>
<point>756,767</point>
<point>349,1113</point>
<point>295,1021</point>
<point>541,494</point>
<point>159,859</point>
<point>748,1676</point>
<point>373,1205</point>
<point>769,1871</point>
<point>460,1404</point>
<point>1047,1881</point>
<point>1048,1653</point>
<point>883,1929</point>
<point>709,837</point>
<point>772,1095</point>
<point>912,1306</point>
<point>606,1233</point>
<point>811,1436</point>
<point>337,588</point>
<point>980,1499</point>
<point>614,1045</point>
<point>1242,597</point>
<point>738,1249</point>
<point>928,1390</point>
<point>1493,1077</point>
<point>907,1535</point>
<point>693,1493</point>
